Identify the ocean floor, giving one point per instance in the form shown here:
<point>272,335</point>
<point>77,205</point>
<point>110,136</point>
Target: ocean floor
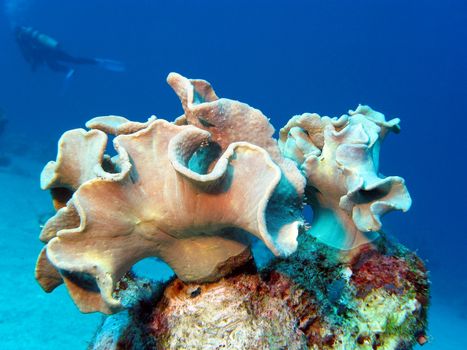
<point>32,319</point>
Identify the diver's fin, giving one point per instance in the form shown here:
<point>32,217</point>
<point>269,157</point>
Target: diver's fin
<point>70,74</point>
<point>114,66</point>
<point>67,81</point>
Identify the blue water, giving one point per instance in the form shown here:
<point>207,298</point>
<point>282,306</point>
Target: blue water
<point>407,59</point>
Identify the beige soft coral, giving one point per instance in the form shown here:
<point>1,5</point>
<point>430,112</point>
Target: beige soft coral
<point>154,202</point>
<point>340,159</point>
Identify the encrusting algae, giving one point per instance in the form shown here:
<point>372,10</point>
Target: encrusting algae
<point>195,192</point>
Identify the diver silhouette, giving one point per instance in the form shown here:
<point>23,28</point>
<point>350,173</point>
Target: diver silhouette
<point>40,49</point>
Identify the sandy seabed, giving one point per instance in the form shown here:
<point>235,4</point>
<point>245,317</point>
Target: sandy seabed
<point>33,319</point>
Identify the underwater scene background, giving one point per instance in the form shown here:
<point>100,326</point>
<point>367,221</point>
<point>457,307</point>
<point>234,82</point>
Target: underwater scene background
<point>407,59</point>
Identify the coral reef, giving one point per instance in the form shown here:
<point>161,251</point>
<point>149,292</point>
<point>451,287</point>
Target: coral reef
<point>195,192</point>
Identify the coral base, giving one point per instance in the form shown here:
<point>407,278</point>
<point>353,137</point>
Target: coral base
<point>378,299</point>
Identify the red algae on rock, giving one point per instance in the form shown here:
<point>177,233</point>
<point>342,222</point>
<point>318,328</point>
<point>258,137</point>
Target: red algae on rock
<point>372,270</point>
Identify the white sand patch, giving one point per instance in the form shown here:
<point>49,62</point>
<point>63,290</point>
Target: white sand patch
<point>30,318</point>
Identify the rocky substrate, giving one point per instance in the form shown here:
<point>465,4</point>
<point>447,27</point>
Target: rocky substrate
<point>375,297</point>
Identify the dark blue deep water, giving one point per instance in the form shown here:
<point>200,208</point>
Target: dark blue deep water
<point>407,59</point>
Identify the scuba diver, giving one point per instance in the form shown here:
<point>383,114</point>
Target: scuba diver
<point>40,49</point>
